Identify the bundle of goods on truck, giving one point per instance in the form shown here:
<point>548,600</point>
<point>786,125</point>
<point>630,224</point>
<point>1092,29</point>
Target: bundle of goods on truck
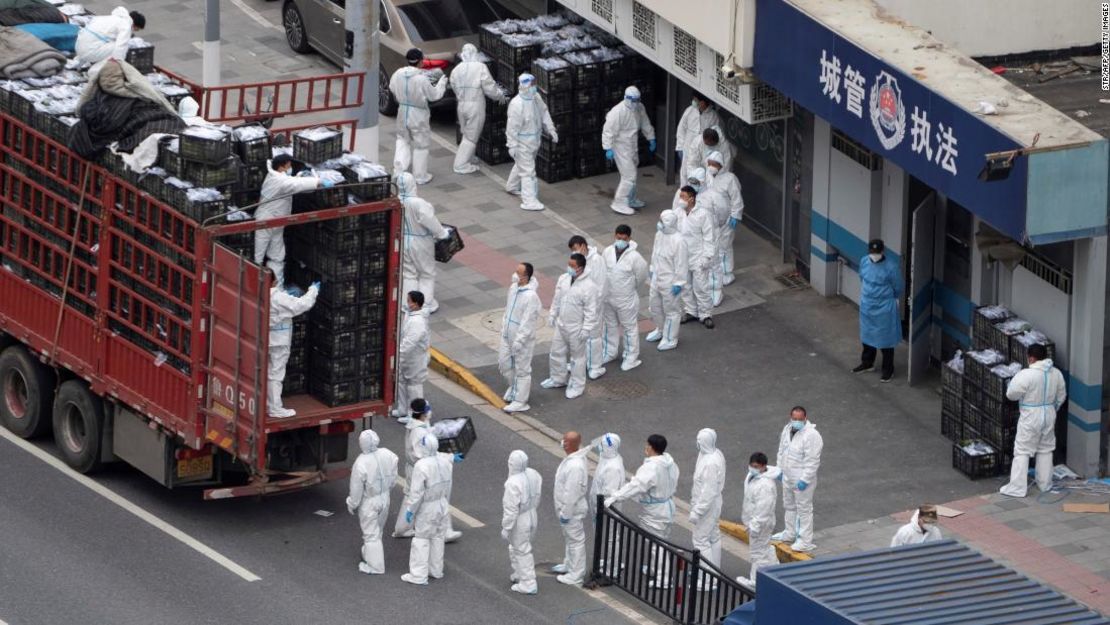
<point>975,413</point>
<point>581,72</point>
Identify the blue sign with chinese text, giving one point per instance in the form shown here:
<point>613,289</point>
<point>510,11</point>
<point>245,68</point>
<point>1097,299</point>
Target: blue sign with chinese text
<point>894,115</point>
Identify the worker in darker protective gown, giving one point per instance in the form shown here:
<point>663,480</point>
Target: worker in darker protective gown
<point>880,326</point>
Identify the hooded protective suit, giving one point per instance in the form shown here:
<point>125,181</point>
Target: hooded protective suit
<point>1040,390</point>
<point>518,520</point>
<point>527,118</point>
<point>415,430</point>
<point>654,486</point>
<point>669,269</point>
<point>421,230</point>
<point>283,307</point>
<point>799,457</point>
<point>912,534</point>
<point>696,156</point>
<point>518,339</point>
<point>472,84</point>
<point>277,201</point>
<point>428,502</point>
<point>625,271</point>
<point>608,478</point>
<point>759,517</point>
<point>688,135</point>
<point>412,359</point>
<point>105,37</point>
<point>596,272</point>
<point>372,477</point>
<point>706,496</point>
<point>697,229</point>
<point>188,110</point>
<point>727,213</point>
<point>619,133</point>
<point>571,485</point>
<point>414,93</point>
<point>880,325</point>
<point>574,315</point>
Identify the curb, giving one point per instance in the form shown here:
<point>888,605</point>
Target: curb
<point>783,550</point>
<point>460,375</point>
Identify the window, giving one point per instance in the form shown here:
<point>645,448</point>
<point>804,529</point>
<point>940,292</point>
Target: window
<point>340,3</point>
<point>444,19</point>
<point>383,19</point>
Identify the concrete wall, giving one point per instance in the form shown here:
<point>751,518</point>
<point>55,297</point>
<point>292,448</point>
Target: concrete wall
<point>709,22</point>
<point>1043,305</point>
<point>997,27</point>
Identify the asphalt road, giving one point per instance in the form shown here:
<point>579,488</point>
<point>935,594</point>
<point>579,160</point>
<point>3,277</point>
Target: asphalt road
<point>68,555</point>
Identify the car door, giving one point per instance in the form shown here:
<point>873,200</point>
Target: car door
<point>331,29</point>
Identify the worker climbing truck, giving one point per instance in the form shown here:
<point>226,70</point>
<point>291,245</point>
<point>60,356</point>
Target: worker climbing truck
<point>137,332</point>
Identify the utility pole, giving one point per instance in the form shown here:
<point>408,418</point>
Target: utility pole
<point>361,55</point>
<point>210,72</point>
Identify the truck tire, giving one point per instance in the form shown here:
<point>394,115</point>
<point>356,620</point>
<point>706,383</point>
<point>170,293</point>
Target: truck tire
<point>295,32</point>
<point>27,388</point>
<point>78,426</point>
<point>387,104</point>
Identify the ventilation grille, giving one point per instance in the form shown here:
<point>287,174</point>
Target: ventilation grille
<point>769,104</point>
<point>729,89</point>
<point>685,52</point>
<point>855,151</point>
<point>643,24</point>
<point>603,9</point>
<point>1047,271</point>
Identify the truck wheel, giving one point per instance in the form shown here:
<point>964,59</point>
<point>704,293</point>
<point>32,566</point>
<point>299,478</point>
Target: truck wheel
<point>387,105</point>
<point>28,388</point>
<point>78,425</point>
<point>295,32</point>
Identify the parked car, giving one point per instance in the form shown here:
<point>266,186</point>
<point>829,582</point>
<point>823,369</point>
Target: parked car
<point>438,27</point>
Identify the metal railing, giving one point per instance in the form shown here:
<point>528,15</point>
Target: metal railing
<point>672,579</point>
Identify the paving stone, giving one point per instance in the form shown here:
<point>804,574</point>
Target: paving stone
<point>1020,524</point>
<point>1068,549</point>
<point>1011,504</point>
<point>1082,522</point>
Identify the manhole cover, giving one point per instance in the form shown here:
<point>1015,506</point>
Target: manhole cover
<point>492,321</point>
<point>792,280</point>
<point>615,389</point>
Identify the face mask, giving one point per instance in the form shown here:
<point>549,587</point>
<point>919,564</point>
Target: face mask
<point>572,272</point>
<point>683,204</point>
<point>620,244</point>
<point>694,103</point>
<point>752,471</point>
<point>659,226</point>
<point>713,169</point>
<point>797,425</point>
<point>631,103</point>
<point>875,257</point>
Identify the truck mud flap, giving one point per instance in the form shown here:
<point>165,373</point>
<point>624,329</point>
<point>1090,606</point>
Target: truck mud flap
<point>290,482</point>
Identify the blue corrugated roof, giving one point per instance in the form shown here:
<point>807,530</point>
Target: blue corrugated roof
<point>932,584</point>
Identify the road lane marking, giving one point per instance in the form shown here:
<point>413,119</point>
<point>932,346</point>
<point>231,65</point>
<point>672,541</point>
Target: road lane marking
<point>134,509</point>
<point>455,512</point>
<point>256,16</point>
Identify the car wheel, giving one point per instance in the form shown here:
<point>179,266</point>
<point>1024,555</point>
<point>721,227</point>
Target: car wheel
<point>78,426</point>
<point>295,32</point>
<point>387,105</point>
<point>26,393</point>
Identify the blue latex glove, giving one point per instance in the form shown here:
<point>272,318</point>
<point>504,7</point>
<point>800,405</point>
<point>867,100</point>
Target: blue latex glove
<point>802,485</point>
<point>609,155</point>
<point>732,223</point>
<point>563,521</point>
<point>651,145</point>
<point>675,290</point>
<point>408,516</point>
<point>458,457</point>
<point>315,284</point>
<point>327,184</point>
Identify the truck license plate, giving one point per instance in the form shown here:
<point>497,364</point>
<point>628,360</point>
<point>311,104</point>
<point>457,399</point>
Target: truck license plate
<point>194,467</point>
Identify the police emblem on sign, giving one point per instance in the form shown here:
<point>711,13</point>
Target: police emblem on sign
<point>888,114</point>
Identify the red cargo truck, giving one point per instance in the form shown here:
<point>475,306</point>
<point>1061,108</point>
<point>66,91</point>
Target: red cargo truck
<point>186,402</point>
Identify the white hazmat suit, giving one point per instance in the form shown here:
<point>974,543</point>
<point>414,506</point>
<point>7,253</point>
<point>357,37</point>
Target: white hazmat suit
<point>283,307</point>
<point>1040,390</point>
<point>527,118</point>
<point>696,157</point>
<point>571,486</point>
<point>519,519</point>
<point>472,84</point>
<point>912,534</point>
<point>415,429</point>
<point>427,509</point>
<point>669,271</point>
<point>727,215</point>
<point>414,94</point>
<point>759,517</point>
<point>421,229</point>
<point>412,360</point>
<point>625,271</point>
<point>694,121</point>
<point>619,135</point>
<point>595,352</point>
<point>706,497</point>
<point>518,339</point>
<point>574,315</point>
<point>609,476</point>
<point>654,485</point>
<point>697,229</point>
<point>189,112</point>
<point>104,37</point>
<point>799,457</point>
<point>372,478</point>
<point>276,200</point>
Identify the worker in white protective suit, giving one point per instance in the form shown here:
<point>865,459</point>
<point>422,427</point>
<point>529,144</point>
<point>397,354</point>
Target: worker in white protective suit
<point>571,486</point>
<point>372,478</point>
<point>416,425</point>
<point>518,337</point>
<point>623,123</point>
<point>189,112</point>
<point>609,477</point>
<point>706,497</point>
<point>421,229</point>
<point>105,37</point>
<point>414,94</point>
<point>799,458</point>
<point>697,117</point>
<point>574,315</point>
<point>278,189</point>
<point>668,271</point>
<point>921,529</point>
<point>654,486</point>
<point>712,140</point>
<point>472,84</point>
<point>695,223</point>
<point>412,354</point>
<point>518,520</point>
<point>625,271</point>
<point>527,118</point>
<point>1039,390</point>
<point>759,514</point>
<point>728,211</point>
<point>427,510</point>
<point>285,303</point>
<point>595,272</point>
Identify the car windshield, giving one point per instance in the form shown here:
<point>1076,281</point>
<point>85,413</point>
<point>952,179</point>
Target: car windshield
<point>444,19</point>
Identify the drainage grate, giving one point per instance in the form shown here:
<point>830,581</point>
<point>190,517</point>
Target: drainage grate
<point>792,280</point>
<point>614,388</point>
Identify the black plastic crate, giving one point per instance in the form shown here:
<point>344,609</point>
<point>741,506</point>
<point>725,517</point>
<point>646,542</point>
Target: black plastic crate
<point>488,36</point>
<point>461,442</point>
<point>373,262</point>
<point>169,157</point>
<point>371,290</point>
<point>549,150</point>
<point>333,266</point>
<point>554,170</point>
<point>373,311</point>
<point>587,166</point>
<point>997,435</point>
<point>341,368</point>
<point>141,59</point>
<point>1000,333</point>
<point>327,198</point>
<point>976,372</point>
<point>202,149</point>
<point>447,248</point>
<point>982,322</point>
<point>493,130</point>
<point>976,466</point>
<point>586,99</point>
<point>564,125</point>
<point>612,93</point>
<point>315,151</point>
<point>553,80</point>
<point>505,73</point>
<point>496,111</point>
<point>256,151</point>
<point>336,318</point>
<point>342,224</point>
<point>245,199</point>
<point>339,293</point>
<point>375,238</point>
<point>251,177</point>
<point>951,425</point>
<point>517,53</point>
<point>370,389</point>
<point>296,383</point>
<point>366,189</point>
<point>1020,353</point>
<point>616,71</point>
<point>586,71</point>
<point>347,243</point>
<point>213,175</point>
<point>588,121</point>
<point>493,153</point>
<point>995,386</point>
<point>333,394</point>
<point>333,343</point>
<point>951,378</point>
<point>200,211</point>
<point>952,401</point>
<point>560,102</point>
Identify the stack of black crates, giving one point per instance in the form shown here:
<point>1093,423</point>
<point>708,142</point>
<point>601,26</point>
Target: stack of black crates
<point>974,407</point>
